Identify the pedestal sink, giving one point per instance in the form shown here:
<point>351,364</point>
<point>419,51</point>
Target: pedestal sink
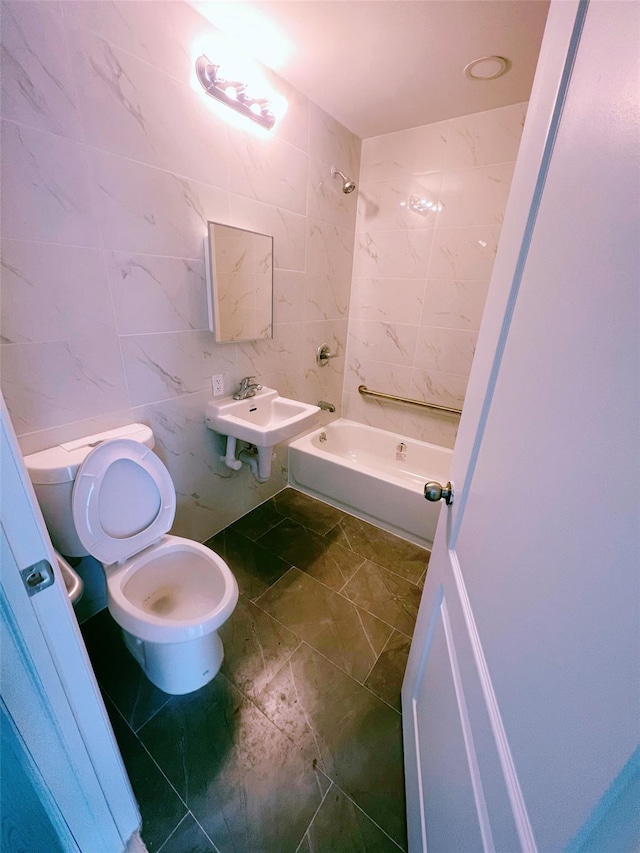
<point>264,419</point>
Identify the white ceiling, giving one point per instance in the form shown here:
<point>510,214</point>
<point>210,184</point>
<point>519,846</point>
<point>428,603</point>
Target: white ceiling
<point>384,65</point>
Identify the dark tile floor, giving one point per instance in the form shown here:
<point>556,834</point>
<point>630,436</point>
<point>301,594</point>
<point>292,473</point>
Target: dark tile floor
<point>296,745</point>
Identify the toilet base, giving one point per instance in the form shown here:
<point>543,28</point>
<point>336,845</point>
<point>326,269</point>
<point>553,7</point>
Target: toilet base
<point>178,668</point>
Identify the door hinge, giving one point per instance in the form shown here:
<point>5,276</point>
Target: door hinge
<point>37,577</point>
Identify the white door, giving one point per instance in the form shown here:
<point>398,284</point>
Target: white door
<point>68,788</point>
<point>521,698</point>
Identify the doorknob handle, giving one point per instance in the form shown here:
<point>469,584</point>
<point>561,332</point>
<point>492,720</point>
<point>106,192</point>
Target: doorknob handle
<point>435,492</point>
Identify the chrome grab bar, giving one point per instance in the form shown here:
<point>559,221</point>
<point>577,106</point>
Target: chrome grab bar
<point>362,389</point>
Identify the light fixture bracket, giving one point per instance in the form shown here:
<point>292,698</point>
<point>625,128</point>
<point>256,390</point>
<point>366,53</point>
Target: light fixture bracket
<point>257,109</point>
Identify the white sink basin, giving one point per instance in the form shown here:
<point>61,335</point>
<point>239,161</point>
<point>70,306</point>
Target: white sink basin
<point>264,419</point>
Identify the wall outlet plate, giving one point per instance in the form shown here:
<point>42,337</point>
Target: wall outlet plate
<point>217,385</point>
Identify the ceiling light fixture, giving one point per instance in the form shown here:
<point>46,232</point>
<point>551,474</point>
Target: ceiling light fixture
<point>487,68</point>
<point>233,93</point>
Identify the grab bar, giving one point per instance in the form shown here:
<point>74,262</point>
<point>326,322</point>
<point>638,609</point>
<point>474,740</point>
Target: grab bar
<point>362,389</point>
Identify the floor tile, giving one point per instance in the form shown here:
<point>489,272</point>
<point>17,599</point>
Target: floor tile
<point>314,514</point>
<point>388,596</point>
<point>253,566</point>
<point>258,521</point>
<point>333,566</point>
<point>385,679</point>
<point>356,736</point>
<point>255,647</point>
<point>118,673</point>
<point>399,556</point>
<point>341,827</point>
<point>347,635</point>
<point>188,838</point>
<point>293,542</point>
<point>316,555</point>
<point>161,808</point>
<point>253,753</point>
<point>248,786</point>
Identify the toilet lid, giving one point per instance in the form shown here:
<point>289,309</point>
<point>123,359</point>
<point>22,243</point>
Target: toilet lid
<point>123,500</point>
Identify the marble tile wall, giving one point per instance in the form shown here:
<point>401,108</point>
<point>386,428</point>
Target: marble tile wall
<point>112,164</point>
<point>430,207</point>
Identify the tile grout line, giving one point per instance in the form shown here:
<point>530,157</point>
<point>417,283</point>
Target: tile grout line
<point>151,716</point>
<point>160,770</point>
<point>250,698</point>
<point>349,548</point>
<point>379,656</point>
<point>307,643</point>
<point>288,663</point>
<point>351,800</point>
<point>120,712</point>
<point>349,579</point>
<point>364,609</point>
<point>315,814</point>
<point>197,822</point>
<point>204,832</point>
<point>173,831</point>
<point>359,683</point>
<point>264,592</point>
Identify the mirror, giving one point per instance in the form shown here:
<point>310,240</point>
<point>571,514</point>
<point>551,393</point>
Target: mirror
<point>239,283</point>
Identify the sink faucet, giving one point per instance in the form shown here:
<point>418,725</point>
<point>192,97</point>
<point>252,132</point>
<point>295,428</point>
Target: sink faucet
<point>246,389</point>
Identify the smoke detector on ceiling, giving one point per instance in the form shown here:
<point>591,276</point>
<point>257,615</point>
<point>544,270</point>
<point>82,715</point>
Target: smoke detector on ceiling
<point>487,68</point>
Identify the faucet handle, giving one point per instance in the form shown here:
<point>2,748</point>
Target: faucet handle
<point>323,354</point>
<point>246,389</point>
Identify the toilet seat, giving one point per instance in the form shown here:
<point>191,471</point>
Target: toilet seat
<point>123,500</point>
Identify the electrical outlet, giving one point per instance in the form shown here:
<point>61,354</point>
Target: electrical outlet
<point>217,384</point>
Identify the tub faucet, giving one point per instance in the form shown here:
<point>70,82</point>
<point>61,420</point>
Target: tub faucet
<point>246,389</point>
<point>327,407</point>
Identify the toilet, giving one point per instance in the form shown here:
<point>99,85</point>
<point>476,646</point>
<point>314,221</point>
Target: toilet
<point>110,496</point>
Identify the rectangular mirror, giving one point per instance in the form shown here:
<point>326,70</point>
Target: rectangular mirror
<point>239,283</point>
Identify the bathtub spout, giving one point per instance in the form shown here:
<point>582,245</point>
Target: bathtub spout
<point>327,407</point>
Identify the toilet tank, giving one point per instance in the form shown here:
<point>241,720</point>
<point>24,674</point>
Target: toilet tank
<point>53,472</point>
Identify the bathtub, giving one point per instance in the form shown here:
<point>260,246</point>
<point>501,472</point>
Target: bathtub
<point>371,473</point>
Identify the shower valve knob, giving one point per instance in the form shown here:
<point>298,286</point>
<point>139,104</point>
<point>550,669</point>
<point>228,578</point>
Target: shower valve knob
<point>435,492</point>
<point>323,354</point>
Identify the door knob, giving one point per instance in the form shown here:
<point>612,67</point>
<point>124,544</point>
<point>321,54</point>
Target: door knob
<point>435,492</point>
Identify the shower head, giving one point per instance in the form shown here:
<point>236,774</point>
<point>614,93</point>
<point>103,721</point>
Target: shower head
<point>348,186</point>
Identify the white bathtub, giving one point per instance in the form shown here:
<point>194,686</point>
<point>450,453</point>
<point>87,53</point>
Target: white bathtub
<point>366,472</point>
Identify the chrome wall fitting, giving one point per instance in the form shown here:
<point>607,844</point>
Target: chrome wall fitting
<point>326,407</point>
<point>348,186</point>
<point>323,354</point>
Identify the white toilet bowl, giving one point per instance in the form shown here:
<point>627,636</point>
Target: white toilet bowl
<point>169,595</point>
<point>170,601</point>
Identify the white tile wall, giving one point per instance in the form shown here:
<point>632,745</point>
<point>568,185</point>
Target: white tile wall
<point>112,162</point>
<point>431,203</point>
